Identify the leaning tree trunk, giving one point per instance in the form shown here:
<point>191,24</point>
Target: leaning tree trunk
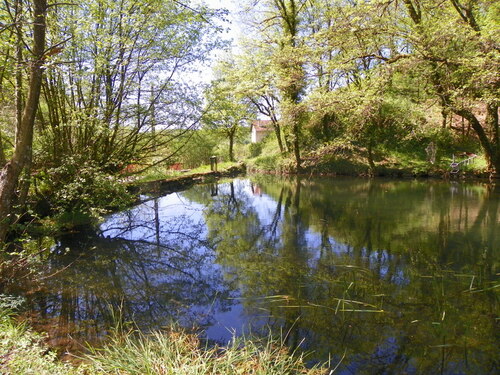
<point>9,176</point>
<point>490,145</point>
<point>277,132</point>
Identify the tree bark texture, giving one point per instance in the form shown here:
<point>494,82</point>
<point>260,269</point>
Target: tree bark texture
<point>9,176</point>
<point>231,145</point>
<point>3,160</point>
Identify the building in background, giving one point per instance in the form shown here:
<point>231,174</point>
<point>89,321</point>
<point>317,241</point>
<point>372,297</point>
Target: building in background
<point>261,128</point>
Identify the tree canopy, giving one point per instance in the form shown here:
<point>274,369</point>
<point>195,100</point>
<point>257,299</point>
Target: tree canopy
<point>337,67</point>
<point>104,87</point>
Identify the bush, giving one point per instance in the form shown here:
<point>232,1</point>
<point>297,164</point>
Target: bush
<point>84,189</point>
<point>267,163</point>
<point>255,149</point>
<point>23,352</point>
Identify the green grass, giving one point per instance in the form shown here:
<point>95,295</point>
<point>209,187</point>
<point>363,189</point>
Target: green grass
<point>346,157</point>
<point>206,168</point>
<point>23,352</point>
<point>268,163</point>
<point>167,352</point>
<point>155,174</point>
<point>161,173</point>
<point>177,352</point>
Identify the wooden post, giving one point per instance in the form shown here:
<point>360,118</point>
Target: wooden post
<point>213,163</point>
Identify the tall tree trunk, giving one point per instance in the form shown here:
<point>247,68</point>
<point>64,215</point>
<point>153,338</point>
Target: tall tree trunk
<point>19,63</point>
<point>231,144</point>
<point>296,144</point>
<point>494,127</point>
<point>292,75</point>
<point>371,163</point>
<point>492,122</point>
<point>3,160</point>
<point>26,175</point>
<point>277,132</point>
<point>9,176</point>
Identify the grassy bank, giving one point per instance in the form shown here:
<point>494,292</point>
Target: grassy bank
<point>162,173</point>
<point>344,158</point>
<point>166,184</point>
<point>22,351</point>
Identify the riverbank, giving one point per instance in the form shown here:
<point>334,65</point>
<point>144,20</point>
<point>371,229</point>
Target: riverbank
<point>355,162</point>
<point>47,222</point>
<point>169,185</point>
<point>23,351</point>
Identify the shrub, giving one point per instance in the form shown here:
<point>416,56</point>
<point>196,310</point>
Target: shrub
<point>255,149</point>
<point>84,189</point>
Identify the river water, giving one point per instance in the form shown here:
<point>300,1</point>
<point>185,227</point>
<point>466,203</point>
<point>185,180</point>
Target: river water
<point>379,276</point>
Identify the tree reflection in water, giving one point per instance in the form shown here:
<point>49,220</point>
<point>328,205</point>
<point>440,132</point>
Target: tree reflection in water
<point>397,276</point>
<point>384,276</point>
<point>151,265</point>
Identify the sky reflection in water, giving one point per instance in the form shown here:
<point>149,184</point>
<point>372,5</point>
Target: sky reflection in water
<point>394,276</point>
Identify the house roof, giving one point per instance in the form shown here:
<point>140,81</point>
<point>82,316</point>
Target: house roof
<point>262,125</point>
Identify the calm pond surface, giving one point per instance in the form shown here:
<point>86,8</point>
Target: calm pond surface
<point>382,276</point>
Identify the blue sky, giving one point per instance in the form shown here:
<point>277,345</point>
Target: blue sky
<point>232,26</point>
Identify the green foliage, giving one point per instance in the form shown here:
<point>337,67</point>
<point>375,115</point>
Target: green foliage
<point>274,163</point>
<point>113,89</point>
<point>156,173</point>
<point>82,190</point>
<point>387,76</point>
<point>270,159</point>
<point>340,156</point>
<point>267,163</point>
<point>20,266</point>
<point>226,110</point>
<point>196,149</point>
<point>119,101</point>
<point>9,303</point>
<point>221,166</point>
<point>255,149</point>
